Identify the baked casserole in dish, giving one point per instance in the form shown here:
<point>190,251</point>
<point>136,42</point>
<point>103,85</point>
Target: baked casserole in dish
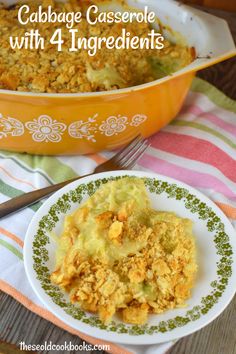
<point>70,102</point>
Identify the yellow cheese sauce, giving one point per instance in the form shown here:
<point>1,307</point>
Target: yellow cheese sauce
<point>117,254</point>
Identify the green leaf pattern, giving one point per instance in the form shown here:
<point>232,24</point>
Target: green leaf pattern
<point>191,202</point>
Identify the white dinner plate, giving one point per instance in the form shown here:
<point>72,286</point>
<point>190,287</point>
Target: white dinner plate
<point>216,249</point>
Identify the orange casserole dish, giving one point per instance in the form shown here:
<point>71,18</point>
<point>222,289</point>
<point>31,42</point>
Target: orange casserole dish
<point>81,123</point>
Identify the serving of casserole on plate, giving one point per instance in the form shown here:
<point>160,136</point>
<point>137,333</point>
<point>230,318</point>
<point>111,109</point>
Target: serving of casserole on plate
<point>169,264</point>
<point>117,254</point>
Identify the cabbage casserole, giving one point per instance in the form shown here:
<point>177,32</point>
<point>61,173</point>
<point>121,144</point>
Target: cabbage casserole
<point>51,71</point>
<point>117,255</point>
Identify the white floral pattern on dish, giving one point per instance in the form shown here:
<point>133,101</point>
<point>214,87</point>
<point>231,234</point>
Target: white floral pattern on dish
<point>113,125</point>
<point>84,130</point>
<point>10,126</point>
<point>138,119</point>
<point>46,129</point>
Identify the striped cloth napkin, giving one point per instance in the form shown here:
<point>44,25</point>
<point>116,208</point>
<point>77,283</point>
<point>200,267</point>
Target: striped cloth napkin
<point>198,148</point>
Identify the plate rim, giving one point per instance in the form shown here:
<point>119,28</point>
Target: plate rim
<point>108,335</point>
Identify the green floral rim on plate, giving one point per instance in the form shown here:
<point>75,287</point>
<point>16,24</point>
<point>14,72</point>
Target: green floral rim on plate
<point>191,202</point>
